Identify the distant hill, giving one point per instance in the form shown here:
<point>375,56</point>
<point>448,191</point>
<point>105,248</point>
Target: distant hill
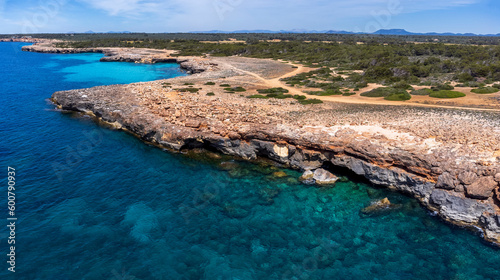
<point>401,32</point>
<point>378,32</point>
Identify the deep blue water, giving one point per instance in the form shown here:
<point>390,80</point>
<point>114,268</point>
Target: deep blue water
<point>95,203</point>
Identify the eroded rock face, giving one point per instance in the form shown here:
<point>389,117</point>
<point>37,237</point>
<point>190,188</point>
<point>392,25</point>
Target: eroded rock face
<point>456,180</point>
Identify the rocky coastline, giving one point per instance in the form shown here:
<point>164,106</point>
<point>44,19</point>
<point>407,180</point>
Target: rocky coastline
<point>448,159</point>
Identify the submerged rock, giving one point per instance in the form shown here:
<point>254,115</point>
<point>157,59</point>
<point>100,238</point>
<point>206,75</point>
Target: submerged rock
<point>228,165</point>
<point>280,174</point>
<point>378,206</point>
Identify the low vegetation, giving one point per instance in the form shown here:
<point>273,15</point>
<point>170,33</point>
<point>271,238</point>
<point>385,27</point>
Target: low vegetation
<point>424,91</point>
<point>485,90</point>
<point>279,93</point>
<point>278,90</point>
<point>192,90</point>
<point>446,94</point>
<point>388,93</point>
<point>235,89</point>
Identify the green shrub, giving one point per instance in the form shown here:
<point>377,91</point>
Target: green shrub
<point>258,96</point>
<point>210,94</point>
<point>464,77</point>
<point>348,93</point>
<point>361,85</point>
<point>273,90</point>
<point>209,83</point>
<point>188,84</point>
<point>496,86</point>
<point>388,93</point>
<point>446,94</point>
<point>485,90</point>
<point>474,84</point>
<point>327,92</point>
<point>279,95</point>
<point>379,92</point>
<point>402,85</point>
<point>442,87</point>
<point>299,97</point>
<point>424,91</point>
<point>225,85</point>
<point>398,96</point>
<point>235,89</point>
<point>310,101</point>
<point>192,90</point>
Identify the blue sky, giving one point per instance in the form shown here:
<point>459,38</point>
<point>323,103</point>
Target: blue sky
<point>460,16</point>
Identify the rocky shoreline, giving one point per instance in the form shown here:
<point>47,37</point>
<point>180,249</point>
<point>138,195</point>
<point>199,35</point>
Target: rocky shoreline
<point>448,159</point>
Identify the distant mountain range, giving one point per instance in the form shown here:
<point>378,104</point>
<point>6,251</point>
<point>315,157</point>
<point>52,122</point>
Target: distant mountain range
<point>379,32</point>
<point>298,31</point>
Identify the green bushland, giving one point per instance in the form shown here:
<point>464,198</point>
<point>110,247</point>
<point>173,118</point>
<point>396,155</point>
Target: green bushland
<point>446,94</point>
<point>496,86</point>
<point>209,83</point>
<point>235,89</point>
<point>192,90</point>
<point>210,94</point>
<point>383,59</point>
<point>424,91</point>
<point>273,90</point>
<point>485,90</point>
<point>225,85</point>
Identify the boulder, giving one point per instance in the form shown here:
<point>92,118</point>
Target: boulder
<point>323,177</point>
<point>467,177</point>
<point>497,177</point>
<point>446,181</point>
<point>307,177</point>
<point>481,188</point>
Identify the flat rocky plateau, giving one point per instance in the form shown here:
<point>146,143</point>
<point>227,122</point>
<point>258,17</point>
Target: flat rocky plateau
<point>448,159</point>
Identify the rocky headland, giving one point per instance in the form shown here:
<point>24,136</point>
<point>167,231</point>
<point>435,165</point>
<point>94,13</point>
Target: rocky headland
<point>448,159</point>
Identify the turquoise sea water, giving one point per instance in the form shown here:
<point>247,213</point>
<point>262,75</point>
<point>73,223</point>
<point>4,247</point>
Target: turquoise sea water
<point>95,203</point>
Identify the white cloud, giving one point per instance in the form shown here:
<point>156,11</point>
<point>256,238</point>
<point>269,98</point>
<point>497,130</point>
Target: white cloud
<point>125,7</point>
<point>199,9</point>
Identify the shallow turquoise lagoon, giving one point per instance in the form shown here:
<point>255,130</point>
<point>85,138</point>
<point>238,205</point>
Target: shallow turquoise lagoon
<point>95,203</point>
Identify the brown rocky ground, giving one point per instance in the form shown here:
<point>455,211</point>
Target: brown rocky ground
<point>449,159</point>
